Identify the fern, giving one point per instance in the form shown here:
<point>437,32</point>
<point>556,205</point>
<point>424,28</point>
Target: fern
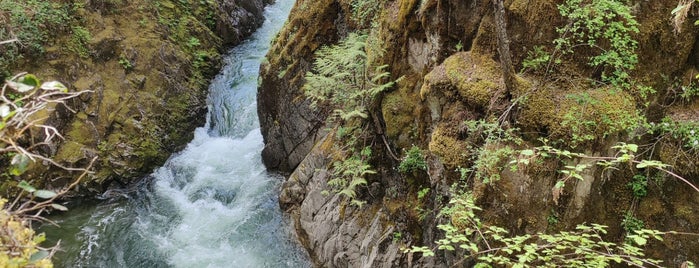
<point>340,79</point>
<point>343,81</point>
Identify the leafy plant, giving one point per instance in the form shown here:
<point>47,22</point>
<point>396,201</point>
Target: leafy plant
<point>413,161</point>
<point>606,26</point>
<point>631,224</point>
<point>596,115</point>
<point>689,92</point>
<point>19,245</point>
<point>33,23</point>
<point>364,11</point>
<point>552,218</point>
<point>687,132</point>
<point>536,59</point>
<point>626,154</point>
<point>492,245</point>
<point>79,41</point>
<point>422,193</point>
<point>490,158</point>
<point>343,81</point>
<point>125,63</point>
<point>639,185</point>
<point>350,173</point>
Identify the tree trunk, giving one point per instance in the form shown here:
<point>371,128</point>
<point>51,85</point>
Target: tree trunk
<point>508,72</point>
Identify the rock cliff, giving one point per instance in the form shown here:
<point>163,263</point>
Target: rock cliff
<point>446,53</point>
<point>147,64</point>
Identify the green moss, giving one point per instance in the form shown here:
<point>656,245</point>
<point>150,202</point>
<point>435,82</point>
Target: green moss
<point>476,78</point>
<point>580,117</point>
<point>400,113</point>
<point>450,150</point>
<point>406,9</point>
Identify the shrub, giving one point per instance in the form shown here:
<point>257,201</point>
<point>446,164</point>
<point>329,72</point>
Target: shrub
<point>639,185</point>
<point>492,245</point>
<point>19,245</point>
<point>413,161</point>
<point>604,25</point>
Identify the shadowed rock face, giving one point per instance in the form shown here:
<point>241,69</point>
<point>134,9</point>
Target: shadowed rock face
<point>289,127</point>
<point>239,19</point>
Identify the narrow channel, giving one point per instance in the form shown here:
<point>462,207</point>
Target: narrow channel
<point>211,205</point>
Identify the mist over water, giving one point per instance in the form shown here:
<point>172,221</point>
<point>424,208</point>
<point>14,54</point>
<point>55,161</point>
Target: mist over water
<point>211,205</point>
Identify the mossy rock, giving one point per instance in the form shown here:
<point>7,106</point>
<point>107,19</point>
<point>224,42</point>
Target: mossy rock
<point>580,117</point>
<point>451,151</point>
<point>476,78</point>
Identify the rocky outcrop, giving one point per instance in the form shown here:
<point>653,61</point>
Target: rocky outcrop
<point>446,53</point>
<point>238,19</point>
<point>336,234</point>
<point>147,64</point>
<point>289,127</point>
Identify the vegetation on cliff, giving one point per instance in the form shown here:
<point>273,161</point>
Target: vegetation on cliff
<point>600,83</point>
<point>147,64</point>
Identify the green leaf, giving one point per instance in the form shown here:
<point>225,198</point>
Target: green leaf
<point>632,147</point>
<point>560,184</point>
<point>639,240</point>
<point>39,255</point>
<point>19,87</point>
<point>54,85</point>
<point>30,80</point>
<point>26,186</point>
<point>45,194</point>
<point>527,152</point>
<point>19,164</point>
<point>59,207</point>
<point>651,163</point>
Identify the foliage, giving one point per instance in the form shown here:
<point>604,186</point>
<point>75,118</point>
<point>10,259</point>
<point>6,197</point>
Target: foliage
<point>422,193</point>
<point>687,132</point>
<point>342,80</point>
<point>350,173</point>
<point>626,154</point>
<point>689,92</point>
<point>597,115</point>
<point>493,245</point>
<point>18,117</point>
<point>19,245</point>
<point>365,11</point>
<point>631,224</point>
<point>33,23</point>
<point>490,159</point>
<point>604,25</point>
<point>413,161</point>
<point>125,63</point>
<point>79,41</point>
<point>639,185</point>
<point>536,59</point>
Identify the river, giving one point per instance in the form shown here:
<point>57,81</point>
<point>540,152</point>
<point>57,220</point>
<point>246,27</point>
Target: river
<point>211,205</point>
